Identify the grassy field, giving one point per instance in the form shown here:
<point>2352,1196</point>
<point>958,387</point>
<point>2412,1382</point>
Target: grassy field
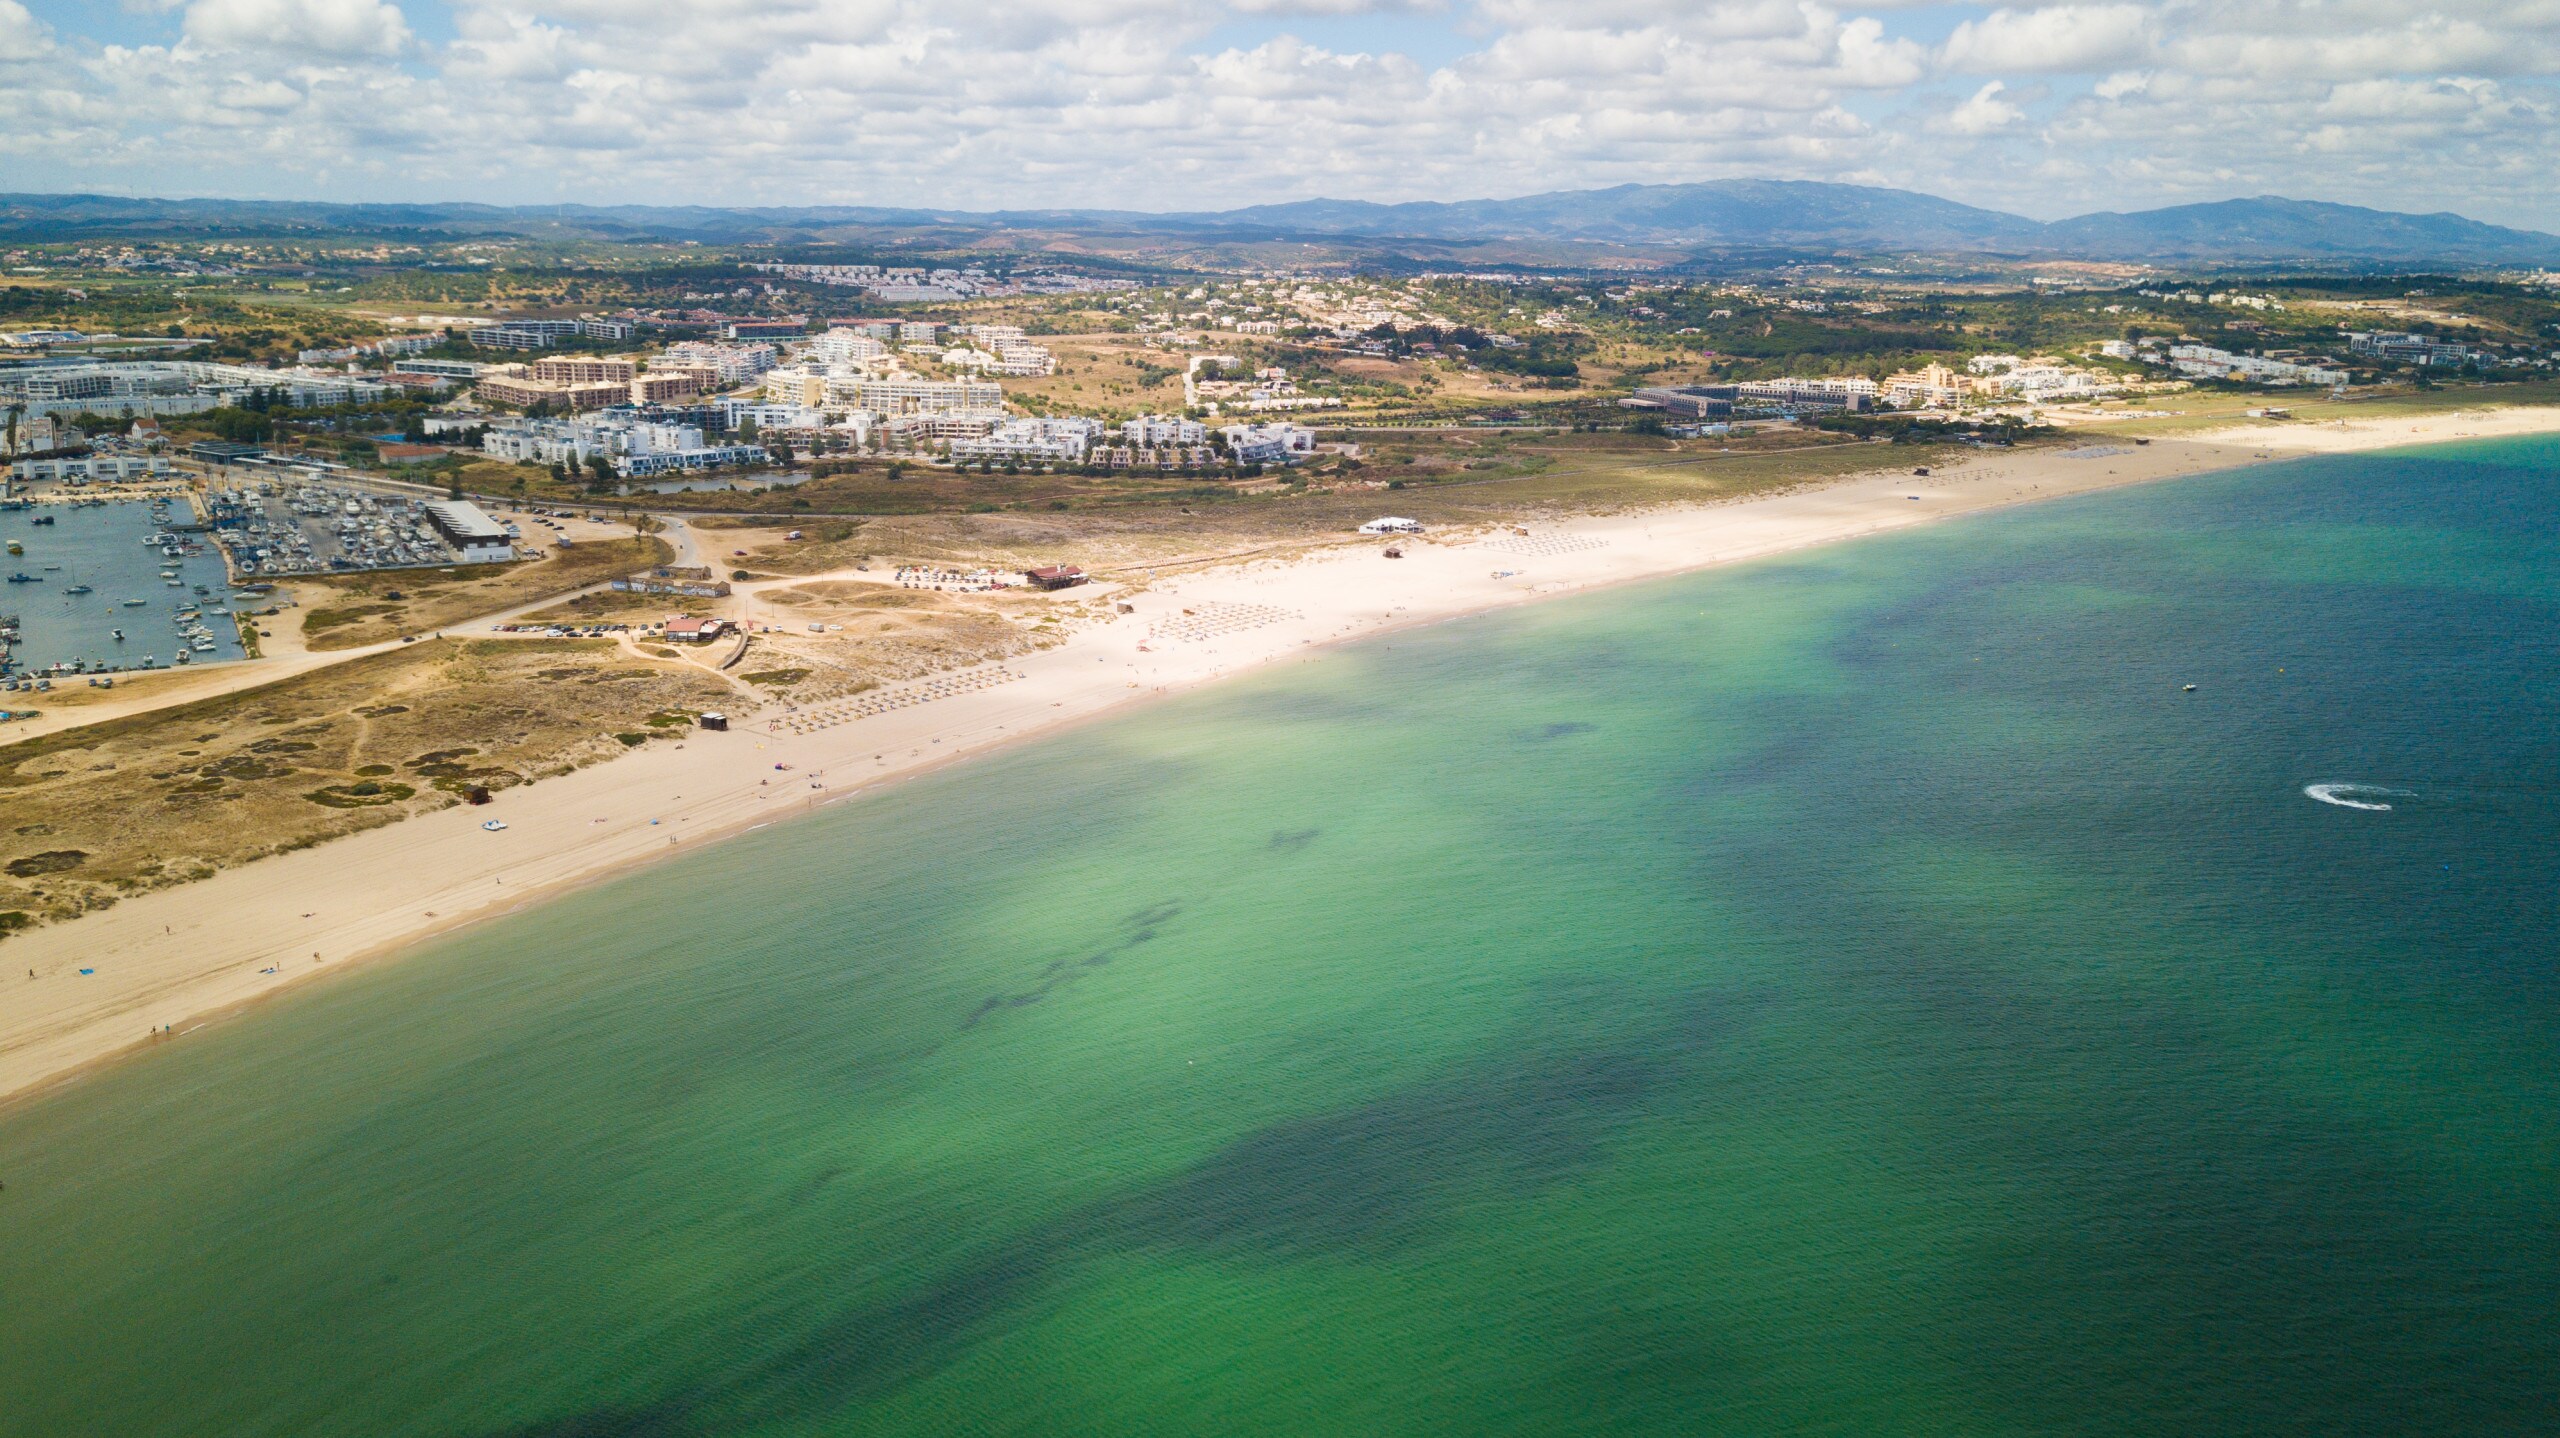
<point>2200,410</point>
<point>1453,478</point>
<point>918,489</point>
<point>610,607</point>
<point>348,611</point>
<point>129,805</point>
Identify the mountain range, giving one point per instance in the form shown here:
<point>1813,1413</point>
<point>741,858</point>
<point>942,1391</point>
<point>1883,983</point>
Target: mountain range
<point>1798,213</point>
<point>1706,216</point>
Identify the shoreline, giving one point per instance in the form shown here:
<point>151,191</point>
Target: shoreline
<point>169,962</point>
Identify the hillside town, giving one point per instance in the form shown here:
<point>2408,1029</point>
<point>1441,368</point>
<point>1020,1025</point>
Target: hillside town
<point>968,368</point>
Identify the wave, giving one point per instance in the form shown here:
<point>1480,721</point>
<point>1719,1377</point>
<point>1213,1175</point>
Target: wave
<point>2347,796</point>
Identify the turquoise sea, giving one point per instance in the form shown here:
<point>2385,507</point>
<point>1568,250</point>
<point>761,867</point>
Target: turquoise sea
<point>1862,993</point>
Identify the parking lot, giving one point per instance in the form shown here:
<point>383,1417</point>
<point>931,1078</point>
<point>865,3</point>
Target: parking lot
<point>276,527</point>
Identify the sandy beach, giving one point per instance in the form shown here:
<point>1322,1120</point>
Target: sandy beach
<point>155,968</point>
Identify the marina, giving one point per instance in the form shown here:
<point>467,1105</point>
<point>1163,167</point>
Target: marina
<point>275,527</point>
<point>111,586</point>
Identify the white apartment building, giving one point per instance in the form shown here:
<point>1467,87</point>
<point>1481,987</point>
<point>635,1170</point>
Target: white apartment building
<point>2209,362</point>
<point>906,394</point>
<point>2412,348</point>
<point>88,469</point>
<point>635,447</point>
<point>734,363</point>
<point>1154,431</point>
<point>844,347</point>
<point>1850,392</point>
<point>741,412</point>
<point>951,424</point>
<point>2049,382</point>
<point>441,368</point>
<point>796,385</point>
<point>1021,358</point>
<point>1038,441</point>
<point>179,386</point>
<point>548,445</point>
<point>645,463</point>
<point>1275,443</point>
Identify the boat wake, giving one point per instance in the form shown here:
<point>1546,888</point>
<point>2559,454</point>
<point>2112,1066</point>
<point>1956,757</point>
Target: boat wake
<point>2355,796</point>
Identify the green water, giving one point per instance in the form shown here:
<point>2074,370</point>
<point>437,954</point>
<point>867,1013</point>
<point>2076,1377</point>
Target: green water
<point>1859,994</point>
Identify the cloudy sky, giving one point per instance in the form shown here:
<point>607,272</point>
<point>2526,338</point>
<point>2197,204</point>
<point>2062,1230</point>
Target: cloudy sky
<point>2047,110</point>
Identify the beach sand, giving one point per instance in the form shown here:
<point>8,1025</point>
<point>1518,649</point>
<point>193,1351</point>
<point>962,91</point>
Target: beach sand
<point>168,962</point>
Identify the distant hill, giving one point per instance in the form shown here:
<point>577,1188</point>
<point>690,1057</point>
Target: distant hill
<point>1719,212</point>
<point>1860,217</point>
<point>1779,214</point>
<point>2271,227</point>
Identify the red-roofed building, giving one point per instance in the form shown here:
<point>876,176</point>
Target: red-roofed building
<point>694,631</point>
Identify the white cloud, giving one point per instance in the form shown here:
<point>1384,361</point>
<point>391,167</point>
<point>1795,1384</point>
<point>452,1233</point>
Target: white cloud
<point>1871,61</point>
<point>332,28</point>
<point>22,36</point>
<point>1984,113</point>
<point>2059,39</point>
<point>1144,103</point>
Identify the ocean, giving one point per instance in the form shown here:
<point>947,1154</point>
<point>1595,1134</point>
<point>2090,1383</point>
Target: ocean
<point>1862,992</point>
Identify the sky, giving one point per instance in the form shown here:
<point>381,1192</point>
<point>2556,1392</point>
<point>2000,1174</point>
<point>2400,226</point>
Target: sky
<point>2046,110</point>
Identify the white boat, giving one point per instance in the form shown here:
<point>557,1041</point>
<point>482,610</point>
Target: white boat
<point>494,825</point>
